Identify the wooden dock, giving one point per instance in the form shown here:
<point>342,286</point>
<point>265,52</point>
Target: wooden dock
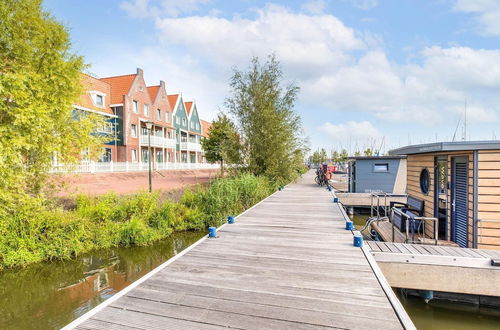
<point>286,263</point>
<point>428,267</point>
<point>384,230</point>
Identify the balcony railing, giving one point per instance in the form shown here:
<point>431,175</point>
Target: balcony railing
<point>191,146</point>
<point>158,141</point>
<point>97,167</point>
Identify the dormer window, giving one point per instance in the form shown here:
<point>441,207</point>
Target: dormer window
<point>99,100</point>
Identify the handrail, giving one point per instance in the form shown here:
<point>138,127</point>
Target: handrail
<point>423,219</point>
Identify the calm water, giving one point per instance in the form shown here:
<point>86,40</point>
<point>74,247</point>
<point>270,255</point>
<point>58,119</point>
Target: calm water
<point>51,295</point>
<point>442,314</point>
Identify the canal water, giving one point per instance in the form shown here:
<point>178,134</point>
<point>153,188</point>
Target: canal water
<point>442,314</point>
<point>50,295</point>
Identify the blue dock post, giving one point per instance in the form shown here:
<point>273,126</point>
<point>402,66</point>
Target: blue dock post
<point>427,295</point>
<point>212,232</point>
<point>230,219</point>
<point>279,188</point>
<point>348,225</point>
<point>335,199</point>
<point>358,240</point>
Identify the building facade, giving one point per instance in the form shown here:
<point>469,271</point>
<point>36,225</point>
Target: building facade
<point>129,105</point>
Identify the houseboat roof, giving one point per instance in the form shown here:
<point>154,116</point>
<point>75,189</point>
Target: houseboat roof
<point>376,157</point>
<point>446,146</point>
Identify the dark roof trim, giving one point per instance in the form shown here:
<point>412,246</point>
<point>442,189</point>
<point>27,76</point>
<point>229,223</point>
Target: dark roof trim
<point>376,157</point>
<point>446,146</point>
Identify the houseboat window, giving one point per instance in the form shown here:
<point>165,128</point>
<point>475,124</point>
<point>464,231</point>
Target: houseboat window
<point>384,167</point>
<point>425,181</point>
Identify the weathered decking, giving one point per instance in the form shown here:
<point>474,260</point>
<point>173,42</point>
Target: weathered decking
<point>428,267</point>
<point>286,263</point>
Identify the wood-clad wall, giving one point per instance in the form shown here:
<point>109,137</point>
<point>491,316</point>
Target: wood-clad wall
<point>416,163</point>
<point>489,199</point>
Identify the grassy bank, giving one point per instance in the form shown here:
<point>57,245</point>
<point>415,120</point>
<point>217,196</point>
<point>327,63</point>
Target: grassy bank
<point>36,230</point>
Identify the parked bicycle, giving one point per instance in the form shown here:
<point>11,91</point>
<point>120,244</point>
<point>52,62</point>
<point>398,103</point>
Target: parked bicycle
<point>323,176</point>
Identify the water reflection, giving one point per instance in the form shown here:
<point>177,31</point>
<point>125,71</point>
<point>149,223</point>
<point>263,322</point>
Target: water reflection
<point>51,295</point>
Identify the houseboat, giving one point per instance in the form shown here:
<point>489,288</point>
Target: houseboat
<point>369,174</point>
<point>459,184</point>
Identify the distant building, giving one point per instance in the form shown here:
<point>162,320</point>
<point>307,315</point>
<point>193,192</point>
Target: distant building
<point>377,174</point>
<point>128,104</point>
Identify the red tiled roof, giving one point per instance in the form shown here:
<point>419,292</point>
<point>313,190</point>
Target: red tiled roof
<point>90,83</point>
<point>172,99</point>
<point>188,107</point>
<point>120,85</point>
<point>153,92</point>
<point>205,125</point>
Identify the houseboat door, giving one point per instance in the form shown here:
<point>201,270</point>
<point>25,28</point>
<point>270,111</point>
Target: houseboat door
<point>459,200</point>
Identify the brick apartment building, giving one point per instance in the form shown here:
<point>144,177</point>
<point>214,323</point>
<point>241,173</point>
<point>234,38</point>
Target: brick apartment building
<point>129,104</point>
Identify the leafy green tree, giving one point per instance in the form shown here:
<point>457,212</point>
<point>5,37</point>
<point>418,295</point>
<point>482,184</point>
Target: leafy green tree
<point>343,156</point>
<point>323,156</point>
<point>222,144</point>
<point>269,127</point>
<point>368,152</point>
<point>39,82</point>
<point>357,153</point>
<point>335,156</point>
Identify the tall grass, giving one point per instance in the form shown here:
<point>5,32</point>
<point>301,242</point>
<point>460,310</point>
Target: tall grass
<point>34,230</point>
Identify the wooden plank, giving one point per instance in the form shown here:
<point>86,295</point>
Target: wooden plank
<point>490,156</point>
<point>373,246</point>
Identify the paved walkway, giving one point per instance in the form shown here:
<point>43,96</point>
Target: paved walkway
<point>286,263</point>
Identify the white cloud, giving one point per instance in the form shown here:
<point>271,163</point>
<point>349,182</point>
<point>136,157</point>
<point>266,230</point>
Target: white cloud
<point>315,6</point>
<point>354,132</point>
<point>155,8</point>
<point>487,11</point>
<point>305,43</point>
<point>364,4</point>
<point>337,68</point>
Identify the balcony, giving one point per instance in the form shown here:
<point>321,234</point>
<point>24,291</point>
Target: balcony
<point>190,146</point>
<point>158,141</point>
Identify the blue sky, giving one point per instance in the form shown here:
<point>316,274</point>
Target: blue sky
<point>372,72</point>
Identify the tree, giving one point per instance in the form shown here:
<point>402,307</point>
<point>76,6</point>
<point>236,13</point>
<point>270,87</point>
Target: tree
<point>368,152</point>
<point>222,144</point>
<point>270,129</point>
<point>335,156</point>
<point>39,82</point>
<point>323,156</point>
<point>343,156</point>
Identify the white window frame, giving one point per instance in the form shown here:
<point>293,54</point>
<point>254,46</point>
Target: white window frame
<point>135,106</point>
<point>146,110</point>
<point>133,130</point>
<point>177,121</point>
<point>184,122</point>
<point>134,155</point>
<point>167,116</point>
<point>158,114</point>
<point>381,167</point>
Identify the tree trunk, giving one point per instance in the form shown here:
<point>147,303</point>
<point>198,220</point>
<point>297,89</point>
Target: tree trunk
<point>222,168</point>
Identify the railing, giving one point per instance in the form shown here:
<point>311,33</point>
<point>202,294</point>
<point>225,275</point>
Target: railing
<point>408,219</point>
<point>158,141</point>
<point>191,146</point>
<point>98,167</point>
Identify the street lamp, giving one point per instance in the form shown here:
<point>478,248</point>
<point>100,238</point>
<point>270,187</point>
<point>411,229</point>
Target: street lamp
<point>149,126</point>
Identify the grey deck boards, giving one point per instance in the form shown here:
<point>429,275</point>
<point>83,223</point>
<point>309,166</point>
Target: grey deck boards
<point>404,248</point>
<point>287,263</point>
